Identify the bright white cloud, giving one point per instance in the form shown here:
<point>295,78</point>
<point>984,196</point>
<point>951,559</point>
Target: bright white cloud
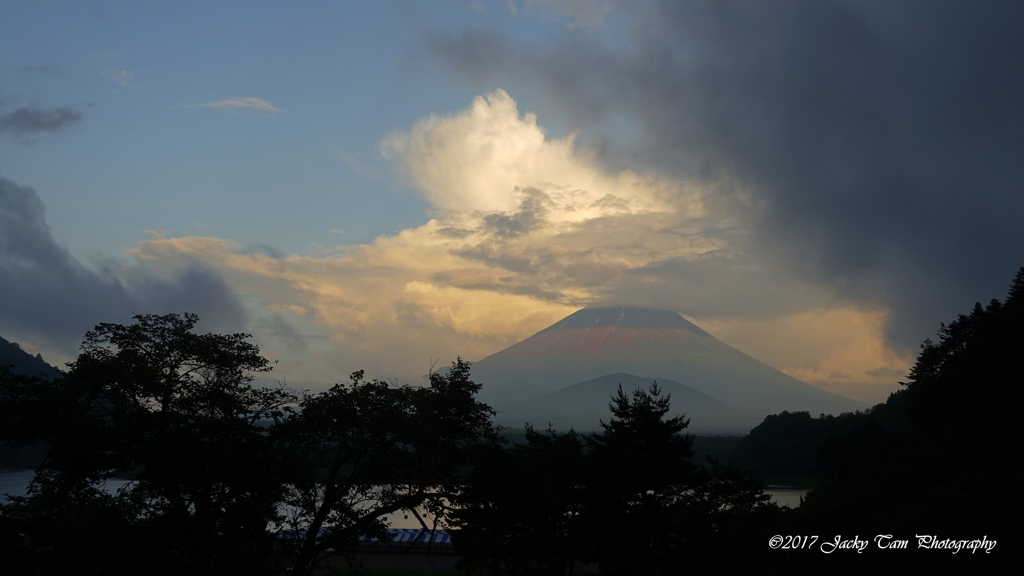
<point>485,159</point>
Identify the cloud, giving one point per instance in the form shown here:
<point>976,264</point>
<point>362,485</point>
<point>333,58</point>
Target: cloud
<point>490,158</point>
<point>49,296</point>
<point>265,249</point>
<point>240,103</point>
<point>838,349</point>
<point>29,121</point>
<point>43,71</point>
<point>525,230</point>
<point>576,13</point>
<point>879,143</point>
<point>282,331</point>
<point>121,77</point>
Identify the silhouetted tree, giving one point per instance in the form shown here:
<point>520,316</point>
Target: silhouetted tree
<point>973,371</point>
<point>367,449</point>
<point>628,500</point>
<point>786,447</point>
<point>178,412</point>
<point>641,471</point>
<point>953,471</point>
<point>519,512</point>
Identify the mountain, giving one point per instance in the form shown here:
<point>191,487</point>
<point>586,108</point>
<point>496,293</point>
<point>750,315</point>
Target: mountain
<point>582,406</point>
<point>597,342</point>
<point>22,362</point>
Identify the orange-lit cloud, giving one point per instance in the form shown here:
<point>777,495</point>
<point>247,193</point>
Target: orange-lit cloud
<point>841,350</point>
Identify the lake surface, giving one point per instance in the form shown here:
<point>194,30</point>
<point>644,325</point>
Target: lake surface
<point>788,496</point>
<point>16,484</point>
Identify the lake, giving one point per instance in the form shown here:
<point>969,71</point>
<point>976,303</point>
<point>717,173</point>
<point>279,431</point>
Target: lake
<point>16,483</point>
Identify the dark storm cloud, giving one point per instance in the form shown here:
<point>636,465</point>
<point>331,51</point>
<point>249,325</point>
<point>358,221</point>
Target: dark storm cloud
<point>46,292</point>
<point>883,140</point>
<point>33,120</point>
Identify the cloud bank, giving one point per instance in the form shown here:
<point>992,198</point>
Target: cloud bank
<point>525,231</point>
<point>880,141</point>
<point>51,299</point>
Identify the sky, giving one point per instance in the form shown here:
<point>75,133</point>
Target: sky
<point>383,186</point>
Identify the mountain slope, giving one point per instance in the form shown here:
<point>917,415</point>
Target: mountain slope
<point>583,405</point>
<point>596,342</point>
<point>22,362</point>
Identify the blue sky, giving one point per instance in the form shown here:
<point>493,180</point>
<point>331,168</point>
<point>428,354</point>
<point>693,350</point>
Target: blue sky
<point>343,74</point>
<point>375,185</point>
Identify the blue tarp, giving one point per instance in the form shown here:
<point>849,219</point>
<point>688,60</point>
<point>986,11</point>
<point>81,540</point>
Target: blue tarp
<point>406,535</point>
<point>413,534</point>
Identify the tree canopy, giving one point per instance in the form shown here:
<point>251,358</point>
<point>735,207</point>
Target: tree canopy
<point>219,467</point>
<point>366,449</point>
<point>176,412</point>
<point>626,499</point>
<point>950,467</point>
